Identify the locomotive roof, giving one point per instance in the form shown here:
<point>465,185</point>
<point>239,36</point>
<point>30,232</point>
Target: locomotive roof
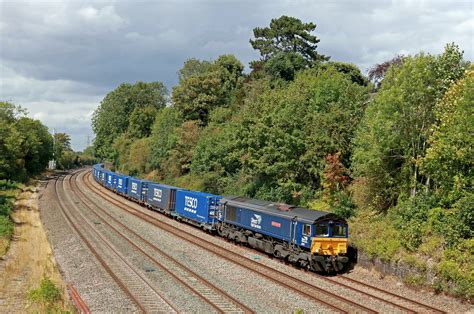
<point>280,209</point>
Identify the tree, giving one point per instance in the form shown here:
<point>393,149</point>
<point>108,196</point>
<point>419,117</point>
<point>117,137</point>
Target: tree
<point>193,67</point>
<point>63,152</point>
<point>287,34</point>
<point>281,139</point>
<point>141,121</point>
<point>180,156</point>
<point>393,136</point>
<point>25,144</point>
<point>378,71</point>
<point>449,160</point>
<point>201,92</point>
<point>351,70</point>
<point>163,136</point>
<point>112,117</point>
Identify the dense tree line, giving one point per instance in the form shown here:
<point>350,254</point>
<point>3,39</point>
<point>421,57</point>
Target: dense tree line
<point>25,144</point>
<point>395,146</point>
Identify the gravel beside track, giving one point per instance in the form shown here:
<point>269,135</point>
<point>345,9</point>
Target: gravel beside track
<point>381,298</point>
<point>131,281</point>
<point>334,300</point>
<point>212,295</point>
<point>76,263</point>
<point>259,294</point>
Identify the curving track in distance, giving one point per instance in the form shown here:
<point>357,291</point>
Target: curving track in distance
<point>398,302</point>
<point>217,298</point>
<point>128,278</point>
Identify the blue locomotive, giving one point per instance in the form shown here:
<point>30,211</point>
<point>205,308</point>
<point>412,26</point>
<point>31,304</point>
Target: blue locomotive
<point>312,239</point>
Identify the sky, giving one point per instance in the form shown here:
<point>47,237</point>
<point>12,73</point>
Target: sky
<point>59,59</point>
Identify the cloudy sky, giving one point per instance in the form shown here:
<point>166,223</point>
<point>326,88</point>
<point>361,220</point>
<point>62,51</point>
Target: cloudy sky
<point>60,58</point>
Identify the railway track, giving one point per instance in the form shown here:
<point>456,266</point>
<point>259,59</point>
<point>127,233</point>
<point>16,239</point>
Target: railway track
<point>399,302</point>
<point>295,284</point>
<point>220,300</point>
<point>135,285</point>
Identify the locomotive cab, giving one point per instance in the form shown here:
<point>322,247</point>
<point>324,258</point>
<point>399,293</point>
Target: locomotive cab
<point>330,242</point>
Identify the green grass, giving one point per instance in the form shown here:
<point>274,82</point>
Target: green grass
<point>8,193</point>
<point>47,297</point>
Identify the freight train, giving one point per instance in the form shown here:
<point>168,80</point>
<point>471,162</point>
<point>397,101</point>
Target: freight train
<point>312,239</point>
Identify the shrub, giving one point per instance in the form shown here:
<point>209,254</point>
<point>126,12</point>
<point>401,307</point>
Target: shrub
<point>46,296</point>
<point>6,227</point>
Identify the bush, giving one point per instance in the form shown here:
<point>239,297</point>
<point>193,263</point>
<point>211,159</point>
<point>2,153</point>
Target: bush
<point>457,269</point>
<point>465,216</point>
<point>343,206</point>
<point>412,217</point>
<point>47,296</point>
<point>6,227</point>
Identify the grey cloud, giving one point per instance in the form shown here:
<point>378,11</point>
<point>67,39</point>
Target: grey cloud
<point>62,57</point>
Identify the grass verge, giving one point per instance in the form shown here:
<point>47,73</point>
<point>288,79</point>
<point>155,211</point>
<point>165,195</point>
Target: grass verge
<point>8,193</point>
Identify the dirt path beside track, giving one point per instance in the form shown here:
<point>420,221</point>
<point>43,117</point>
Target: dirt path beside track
<point>28,259</point>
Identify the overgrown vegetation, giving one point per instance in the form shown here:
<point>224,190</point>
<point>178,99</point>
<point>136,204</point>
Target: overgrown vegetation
<point>47,297</point>
<point>8,193</point>
<point>392,152</point>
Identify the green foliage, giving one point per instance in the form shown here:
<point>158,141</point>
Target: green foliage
<point>286,47</point>
<point>163,136</point>
<point>6,227</point>
<point>287,34</point>
<point>413,214</point>
<point>8,192</point>
<point>207,87</point>
<point>193,67</point>
<point>351,70</point>
<point>112,117</point>
<point>457,269</point>
<point>393,136</point>
<point>141,121</point>
<point>139,156</point>
<point>464,209</point>
<point>449,162</point>
<point>180,157</point>
<point>342,205</point>
<point>66,158</point>
<point>87,157</point>
<point>285,65</point>
<point>25,144</point>
<point>376,235</point>
<point>47,296</point>
<point>284,137</point>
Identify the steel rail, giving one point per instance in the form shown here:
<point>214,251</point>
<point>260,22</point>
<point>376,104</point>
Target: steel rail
<point>295,284</point>
<point>120,282</point>
<point>182,267</point>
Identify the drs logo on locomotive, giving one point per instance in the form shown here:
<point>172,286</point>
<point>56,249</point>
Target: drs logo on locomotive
<point>134,187</point>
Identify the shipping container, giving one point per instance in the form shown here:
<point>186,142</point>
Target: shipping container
<point>121,184</point>
<point>109,179</point>
<point>102,177</point>
<point>137,188</point>
<point>161,196</point>
<point>197,206</point>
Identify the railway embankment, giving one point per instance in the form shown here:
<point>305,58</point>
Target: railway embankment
<point>28,260</point>
<point>433,266</point>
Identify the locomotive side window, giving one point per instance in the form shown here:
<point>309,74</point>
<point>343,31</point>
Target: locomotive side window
<point>231,213</point>
<point>339,230</point>
<point>322,230</point>
<point>307,230</point>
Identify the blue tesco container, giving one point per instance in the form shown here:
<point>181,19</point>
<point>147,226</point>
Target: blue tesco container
<point>197,206</point>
